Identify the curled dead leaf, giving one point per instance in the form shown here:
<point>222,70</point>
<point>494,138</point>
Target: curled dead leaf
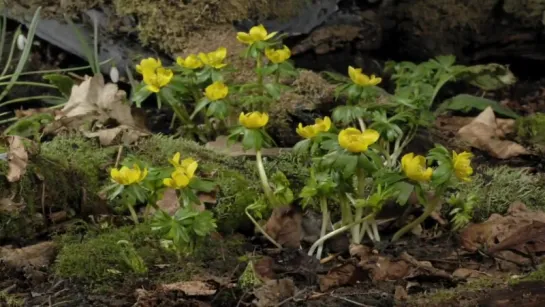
<point>484,133</point>
<point>284,226</point>
<point>191,288</point>
<point>273,292</point>
<point>17,157</point>
<point>37,255</point>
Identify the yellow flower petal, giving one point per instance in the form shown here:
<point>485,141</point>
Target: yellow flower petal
<point>323,125</point>
<point>244,38</point>
<point>216,91</point>
<point>253,120</point>
<point>462,165</point>
<point>307,132</point>
<point>258,33</point>
<point>415,169</point>
<point>355,141</point>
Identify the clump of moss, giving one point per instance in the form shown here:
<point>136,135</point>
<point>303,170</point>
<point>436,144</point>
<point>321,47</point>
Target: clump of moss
<point>98,259</point>
<point>531,129</point>
<point>462,295</point>
<point>498,187</point>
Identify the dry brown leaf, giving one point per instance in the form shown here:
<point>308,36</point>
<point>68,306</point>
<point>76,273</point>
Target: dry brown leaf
<point>93,101</point>
<point>274,292</point>
<point>191,288</point>
<point>169,203</point>
<point>30,112</point>
<point>17,159</point>
<point>9,206</point>
<point>400,293</point>
<point>468,274</point>
<point>339,276</point>
<point>236,150</point>
<point>37,255</point>
<point>284,226</point>
<point>484,133</point>
<point>263,267</point>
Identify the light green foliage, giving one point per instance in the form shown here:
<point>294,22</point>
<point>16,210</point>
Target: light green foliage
<point>10,300</point>
<point>531,129</point>
<point>496,188</point>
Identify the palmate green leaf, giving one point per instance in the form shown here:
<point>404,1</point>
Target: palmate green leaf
<point>302,147</point>
<point>273,89</point>
<point>442,174</point>
<point>334,77</point>
<point>204,224</point>
<point>202,185</point>
<point>347,114</point>
<point>467,103</point>
<point>405,190</point>
<point>366,164</point>
<point>200,105</point>
<point>267,69</point>
<point>252,139</point>
<point>218,109</point>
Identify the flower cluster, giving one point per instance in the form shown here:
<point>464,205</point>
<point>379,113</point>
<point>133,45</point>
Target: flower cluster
<point>155,75</point>
<point>415,168</point>
<point>311,131</point>
<point>183,172</point>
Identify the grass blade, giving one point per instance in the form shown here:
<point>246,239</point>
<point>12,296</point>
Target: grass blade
<point>11,51</point>
<point>3,30</point>
<point>95,45</point>
<point>86,49</point>
<point>26,52</point>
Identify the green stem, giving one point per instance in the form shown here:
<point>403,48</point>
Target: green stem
<point>261,229</point>
<point>362,124</point>
<point>263,178</point>
<point>29,83</point>
<point>133,214</point>
<point>53,70</point>
<point>429,209</point>
<point>277,76</point>
<point>259,74</point>
<point>337,232</point>
<point>325,220</point>
<point>374,228</point>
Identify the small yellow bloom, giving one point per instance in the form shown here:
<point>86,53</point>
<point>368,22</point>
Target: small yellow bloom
<point>278,55</point>
<point>178,180</point>
<point>462,165</point>
<point>158,78</point>
<point>216,91</point>
<point>191,62</point>
<point>253,120</point>
<point>414,167</point>
<point>354,140</point>
<point>188,165</point>
<point>128,176</point>
<point>256,34</point>
<point>311,131</point>
<point>149,64</point>
<point>214,58</point>
<point>362,79</point>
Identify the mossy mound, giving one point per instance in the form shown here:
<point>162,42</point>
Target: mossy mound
<point>498,187</point>
<point>531,130</point>
<point>101,261</point>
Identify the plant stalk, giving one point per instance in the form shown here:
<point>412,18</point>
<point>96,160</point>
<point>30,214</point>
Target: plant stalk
<point>262,230</point>
<point>325,221</point>
<point>133,214</point>
<point>263,178</point>
<point>429,209</point>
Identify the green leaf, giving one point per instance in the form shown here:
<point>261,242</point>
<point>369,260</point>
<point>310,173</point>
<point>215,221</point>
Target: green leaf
<point>442,174</point>
<point>178,84</point>
<point>204,224</point>
<point>217,109</point>
<point>273,90</point>
<point>405,189</point>
<point>140,94</point>
<point>200,105</point>
<point>268,69</point>
<point>202,185</point>
<point>62,82</point>
<point>365,163</point>
<point>302,147</point>
<point>466,103</point>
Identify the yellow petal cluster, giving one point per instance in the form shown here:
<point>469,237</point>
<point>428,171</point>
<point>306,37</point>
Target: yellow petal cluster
<point>155,75</point>
<point>215,58</point>
<point>355,141</point>
<point>183,173</point>
<point>414,167</point>
<point>256,34</point>
<point>362,79</point>
<point>191,62</point>
<point>216,91</point>
<point>253,120</point>
<point>462,165</point>
<point>278,56</point>
<point>311,131</point>
<point>128,176</point>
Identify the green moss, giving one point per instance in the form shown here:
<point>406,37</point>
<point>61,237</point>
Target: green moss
<point>498,187</point>
<point>461,294</point>
<point>531,129</point>
<point>10,300</point>
<point>537,275</point>
<point>98,260</point>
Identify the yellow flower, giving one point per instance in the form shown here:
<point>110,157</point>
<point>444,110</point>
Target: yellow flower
<point>311,131</point>
<point>414,167</point>
<point>178,180</point>
<point>128,176</point>
<point>362,79</point>
<point>354,140</point>
<point>253,120</point>
<point>158,78</point>
<point>216,91</point>
<point>214,58</point>
<point>462,165</point>
<point>149,64</point>
<point>256,34</point>
<point>188,165</point>
<point>191,62</point>
<point>278,55</point>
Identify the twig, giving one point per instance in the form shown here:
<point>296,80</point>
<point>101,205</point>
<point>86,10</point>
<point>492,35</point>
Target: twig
<point>119,152</point>
<point>349,300</point>
<point>290,298</point>
<point>43,202</point>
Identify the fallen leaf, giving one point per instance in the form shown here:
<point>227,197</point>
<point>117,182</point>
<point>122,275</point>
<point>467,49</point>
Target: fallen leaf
<point>37,255</point>
<point>467,274</point>
<point>92,107</point>
<point>273,292</point>
<point>423,268</point>
<point>484,133</point>
<point>400,293</point>
<point>284,226</point>
<point>7,205</point>
<point>17,159</point>
<point>263,267</point>
<point>383,268</point>
<point>339,276</point>
<point>30,112</point>
<point>169,203</point>
<point>191,288</point>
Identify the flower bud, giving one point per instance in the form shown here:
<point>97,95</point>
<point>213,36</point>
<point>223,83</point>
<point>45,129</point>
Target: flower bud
<point>114,74</point>
<point>21,42</point>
